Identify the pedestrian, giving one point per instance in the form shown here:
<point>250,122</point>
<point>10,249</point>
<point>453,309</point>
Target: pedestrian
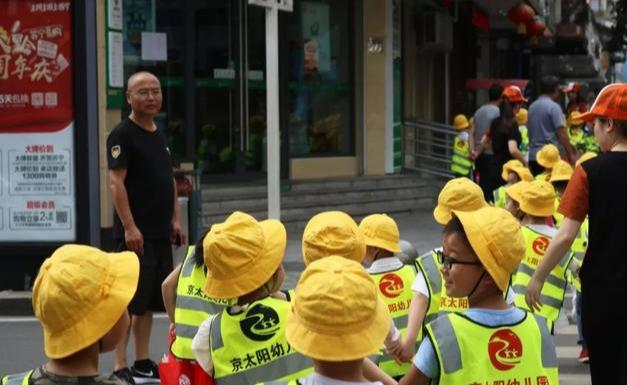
<point>146,217</point>
<point>576,132</point>
<point>576,101</point>
<point>522,117</point>
<point>430,298</point>
<point>546,124</point>
<point>245,343</point>
<point>461,164</point>
<point>536,203</point>
<point>492,341</point>
<point>597,189</point>
<point>80,298</point>
<point>338,320</point>
<point>481,122</point>
<point>513,172</point>
<point>560,175</point>
<point>547,158</point>
<point>392,278</point>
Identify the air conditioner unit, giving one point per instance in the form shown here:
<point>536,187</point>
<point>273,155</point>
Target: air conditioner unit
<point>434,31</point>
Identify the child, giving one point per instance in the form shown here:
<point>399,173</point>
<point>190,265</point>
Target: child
<point>461,164</point>
<point>547,157</point>
<point>245,343</point>
<point>491,342</point>
<point>536,202</point>
<point>513,172</point>
<point>429,297</point>
<point>576,133</point>
<point>80,297</point>
<point>521,118</point>
<point>559,179</point>
<point>391,277</point>
<point>321,327</point>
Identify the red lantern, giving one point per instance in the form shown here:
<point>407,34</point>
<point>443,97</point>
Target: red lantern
<point>536,27</point>
<point>521,14</point>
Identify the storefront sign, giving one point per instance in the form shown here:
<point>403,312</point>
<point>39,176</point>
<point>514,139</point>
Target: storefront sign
<point>37,193</point>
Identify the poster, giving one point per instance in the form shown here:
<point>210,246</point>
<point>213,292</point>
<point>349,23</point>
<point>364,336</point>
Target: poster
<point>316,37</point>
<point>138,16</point>
<point>37,191</point>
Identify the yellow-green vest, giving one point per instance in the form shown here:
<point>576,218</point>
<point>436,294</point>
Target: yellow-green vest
<point>554,289</point>
<point>558,217</point>
<point>471,353</point>
<point>578,248</point>
<point>524,135</point>
<point>544,176</point>
<point>499,197</point>
<point>439,302</point>
<point>17,379</point>
<point>251,347</point>
<point>460,161</point>
<point>395,290</point>
<point>192,306</point>
<point>577,139</point>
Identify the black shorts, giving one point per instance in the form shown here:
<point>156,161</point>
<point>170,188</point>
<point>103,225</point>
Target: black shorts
<point>154,266</point>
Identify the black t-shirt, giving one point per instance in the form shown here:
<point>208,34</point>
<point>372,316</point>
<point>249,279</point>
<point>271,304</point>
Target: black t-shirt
<point>149,178</point>
<point>500,140</point>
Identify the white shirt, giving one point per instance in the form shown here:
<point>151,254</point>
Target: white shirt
<point>319,379</point>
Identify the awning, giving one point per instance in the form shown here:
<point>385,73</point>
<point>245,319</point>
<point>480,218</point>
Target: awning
<point>484,84</point>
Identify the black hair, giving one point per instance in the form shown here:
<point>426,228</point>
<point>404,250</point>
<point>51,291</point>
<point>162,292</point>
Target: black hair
<point>548,84</point>
<point>494,92</point>
<point>455,226</point>
<point>505,121</point>
<point>560,184</point>
<point>199,255</point>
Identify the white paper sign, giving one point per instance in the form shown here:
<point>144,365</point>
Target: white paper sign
<point>154,46</point>
<point>223,73</point>
<point>116,60</point>
<point>115,14</point>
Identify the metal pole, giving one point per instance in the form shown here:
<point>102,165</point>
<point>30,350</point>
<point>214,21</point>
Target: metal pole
<point>272,112</point>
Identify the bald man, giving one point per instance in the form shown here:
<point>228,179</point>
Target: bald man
<point>146,218</point>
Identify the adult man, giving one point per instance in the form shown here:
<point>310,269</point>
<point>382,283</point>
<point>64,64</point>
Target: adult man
<point>481,122</point>
<point>546,124</point>
<point>146,213</point>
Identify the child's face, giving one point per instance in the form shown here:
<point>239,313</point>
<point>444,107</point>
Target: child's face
<point>512,178</point>
<point>371,254</point>
<point>460,278</point>
<point>511,206</point>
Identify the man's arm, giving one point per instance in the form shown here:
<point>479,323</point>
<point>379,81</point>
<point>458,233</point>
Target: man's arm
<point>562,136</point>
<point>471,137</point>
<point>177,231</point>
<point>168,292</point>
<point>132,236</point>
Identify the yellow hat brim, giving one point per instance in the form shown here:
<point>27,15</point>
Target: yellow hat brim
<point>442,215</point>
<point>546,163</point>
<point>362,342</point>
<point>383,244</point>
<point>536,210</point>
<point>515,192</point>
<point>103,316</point>
<point>258,272</point>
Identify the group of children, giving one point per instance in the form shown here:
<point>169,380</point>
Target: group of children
<point>359,314</point>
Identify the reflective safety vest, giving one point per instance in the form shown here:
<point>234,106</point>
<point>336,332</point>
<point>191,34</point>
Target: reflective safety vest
<point>544,176</point>
<point>499,197</point>
<point>524,135</point>
<point>554,289</point>
<point>577,139</point>
<point>471,353</point>
<point>251,347</point>
<point>395,290</point>
<point>439,302</point>
<point>17,379</point>
<point>579,247</point>
<point>460,161</point>
<point>192,306</point>
<point>558,218</point>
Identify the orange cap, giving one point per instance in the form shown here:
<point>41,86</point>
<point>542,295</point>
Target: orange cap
<point>572,87</point>
<point>610,103</point>
<point>513,94</point>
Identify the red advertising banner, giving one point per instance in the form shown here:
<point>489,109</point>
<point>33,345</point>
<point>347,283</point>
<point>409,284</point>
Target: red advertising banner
<point>35,66</point>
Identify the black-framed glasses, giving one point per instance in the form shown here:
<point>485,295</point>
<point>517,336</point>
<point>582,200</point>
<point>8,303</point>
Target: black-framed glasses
<point>448,262</point>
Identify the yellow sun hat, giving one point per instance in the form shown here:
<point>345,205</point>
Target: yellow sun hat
<point>523,173</point>
<point>333,233</point>
<point>548,156</point>
<point>242,254</point>
<point>522,116</point>
<point>460,122</point>
<point>381,231</point>
<point>538,198</point>
<point>337,313</point>
<point>458,194</point>
<point>80,293</point>
<point>515,191</point>
<point>561,172</point>
<point>497,239</point>
<point>574,118</point>
<point>586,156</point>
<point>508,167</point>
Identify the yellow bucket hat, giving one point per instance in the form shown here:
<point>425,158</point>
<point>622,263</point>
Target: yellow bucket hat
<point>381,231</point>
<point>337,314</point>
<point>575,119</point>
<point>548,156</point>
<point>460,122</point>
<point>561,172</point>
<point>538,198</point>
<point>333,233</point>
<point>79,295</point>
<point>523,173</point>
<point>497,239</point>
<point>458,194</point>
<point>515,191</point>
<point>522,116</point>
<point>242,254</point>
<point>586,156</point>
<point>509,167</point>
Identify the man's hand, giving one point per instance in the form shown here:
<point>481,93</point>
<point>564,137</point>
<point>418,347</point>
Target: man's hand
<point>134,239</point>
<point>178,237</point>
